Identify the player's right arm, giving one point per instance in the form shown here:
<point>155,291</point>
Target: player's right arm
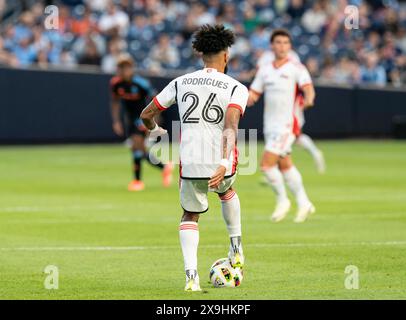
<point>116,109</point>
<point>161,102</point>
<point>256,88</point>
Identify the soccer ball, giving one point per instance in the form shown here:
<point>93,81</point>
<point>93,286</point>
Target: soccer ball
<point>222,274</point>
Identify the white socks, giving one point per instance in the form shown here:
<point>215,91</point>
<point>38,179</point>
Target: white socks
<point>275,179</point>
<point>292,178</point>
<point>230,207</point>
<point>231,210</point>
<point>294,181</point>
<point>307,143</point>
<point>189,240</point>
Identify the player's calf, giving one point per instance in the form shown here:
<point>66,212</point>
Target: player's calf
<point>231,210</point>
<point>189,240</point>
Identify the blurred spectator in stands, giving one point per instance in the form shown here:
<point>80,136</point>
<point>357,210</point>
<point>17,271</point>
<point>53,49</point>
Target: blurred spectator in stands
<point>312,65</point>
<point>109,61</point>
<point>65,19</point>
<point>7,58</point>
<point>25,52</point>
<point>42,59</point>
<point>2,8</point>
<point>228,14</point>
<point>372,72</point>
<point>373,41</point>
<point>346,71</point>
<point>296,9</point>
<point>214,7</point>
<point>95,37</point>
<point>239,69</point>
<point>264,9</point>
<point>114,21</point>
<point>84,23</point>
<point>251,19</point>
<point>157,23</point>
<point>391,22</point>
<point>315,18</point>
<point>259,39</point>
<point>203,16</point>
<point>91,55</point>
<point>401,39</point>
<point>67,59</point>
<point>23,29</point>
<point>164,53</point>
<point>98,6</point>
<point>327,73</point>
<point>140,29</point>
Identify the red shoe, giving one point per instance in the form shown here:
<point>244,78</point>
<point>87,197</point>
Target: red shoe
<point>167,174</point>
<point>136,185</point>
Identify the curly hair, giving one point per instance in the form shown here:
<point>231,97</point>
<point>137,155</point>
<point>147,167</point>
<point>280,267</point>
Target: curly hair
<point>212,39</point>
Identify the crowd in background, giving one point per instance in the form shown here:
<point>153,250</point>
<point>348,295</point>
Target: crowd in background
<point>158,33</point>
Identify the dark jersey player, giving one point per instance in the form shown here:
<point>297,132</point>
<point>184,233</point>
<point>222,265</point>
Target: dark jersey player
<point>130,93</point>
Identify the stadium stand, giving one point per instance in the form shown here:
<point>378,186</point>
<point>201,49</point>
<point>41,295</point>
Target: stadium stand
<point>157,33</point>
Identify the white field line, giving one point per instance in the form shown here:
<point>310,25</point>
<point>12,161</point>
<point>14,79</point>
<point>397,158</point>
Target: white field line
<point>253,245</point>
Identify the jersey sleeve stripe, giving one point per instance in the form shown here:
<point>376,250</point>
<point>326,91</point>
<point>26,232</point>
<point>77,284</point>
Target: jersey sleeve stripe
<point>305,85</point>
<point>233,105</point>
<point>160,107</point>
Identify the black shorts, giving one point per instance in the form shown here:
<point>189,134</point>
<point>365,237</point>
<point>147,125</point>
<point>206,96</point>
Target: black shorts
<point>134,126</point>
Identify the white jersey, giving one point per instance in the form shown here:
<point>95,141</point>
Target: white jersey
<point>203,98</point>
<point>269,56</point>
<point>280,84</point>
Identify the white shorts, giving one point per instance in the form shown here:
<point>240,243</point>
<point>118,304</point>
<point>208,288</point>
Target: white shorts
<point>193,193</point>
<point>279,143</point>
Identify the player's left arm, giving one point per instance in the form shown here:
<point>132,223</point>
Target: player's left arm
<point>309,95</point>
<point>234,112</point>
<point>229,140</point>
<point>305,83</point>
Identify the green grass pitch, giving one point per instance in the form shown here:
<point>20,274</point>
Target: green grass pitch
<point>68,206</point>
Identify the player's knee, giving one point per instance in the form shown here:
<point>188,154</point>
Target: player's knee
<point>269,160</point>
<point>222,195</point>
<point>138,154</point>
<point>189,216</point>
<point>285,165</point>
<point>137,142</point>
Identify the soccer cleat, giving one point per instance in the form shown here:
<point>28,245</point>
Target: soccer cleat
<point>280,211</point>
<point>192,281</point>
<point>236,259</point>
<point>320,162</point>
<point>167,174</point>
<point>304,212</point>
<point>136,185</point>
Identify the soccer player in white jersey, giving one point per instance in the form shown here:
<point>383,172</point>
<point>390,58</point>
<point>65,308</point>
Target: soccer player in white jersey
<point>303,140</point>
<point>279,80</point>
<point>210,105</point>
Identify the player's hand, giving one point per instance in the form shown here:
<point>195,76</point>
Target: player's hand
<point>218,177</point>
<point>252,99</point>
<point>118,128</point>
<point>157,132</point>
<point>308,103</point>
